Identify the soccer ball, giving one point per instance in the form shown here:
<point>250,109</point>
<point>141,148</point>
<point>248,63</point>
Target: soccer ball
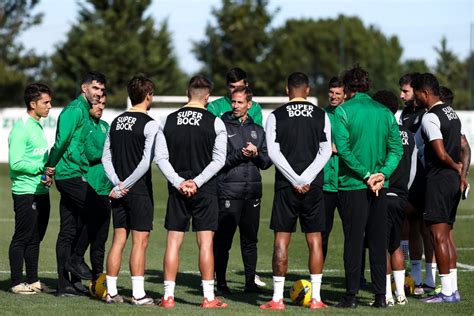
<point>98,288</point>
<point>300,292</point>
<point>409,285</point>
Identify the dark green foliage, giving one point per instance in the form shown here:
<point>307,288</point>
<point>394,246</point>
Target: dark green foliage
<point>117,38</point>
<point>326,47</point>
<point>240,39</point>
<point>17,66</point>
<point>454,74</point>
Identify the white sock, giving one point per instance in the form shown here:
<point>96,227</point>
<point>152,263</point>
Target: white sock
<point>388,287</point>
<point>111,285</point>
<point>278,288</point>
<point>169,289</point>
<point>399,277</point>
<point>453,274</point>
<point>316,280</point>
<point>208,289</point>
<point>446,284</point>
<point>416,271</point>
<point>405,249</point>
<point>138,286</point>
<point>430,275</point>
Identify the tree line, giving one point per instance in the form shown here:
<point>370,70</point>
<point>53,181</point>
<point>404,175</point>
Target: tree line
<point>118,38</point>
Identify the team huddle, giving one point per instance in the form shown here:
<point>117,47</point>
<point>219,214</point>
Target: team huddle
<point>387,180</point>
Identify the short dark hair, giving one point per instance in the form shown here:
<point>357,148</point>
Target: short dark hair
<point>387,98</point>
<point>246,90</point>
<point>33,93</point>
<point>446,95</point>
<point>236,74</point>
<point>139,87</point>
<point>426,81</point>
<point>297,80</point>
<point>198,86</point>
<point>407,78</point>
<point>94,75</point>
<point>356,80</point>
<point>335,82</point>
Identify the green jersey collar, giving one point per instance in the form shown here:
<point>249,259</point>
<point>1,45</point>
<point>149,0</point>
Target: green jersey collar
<point>84,102</point>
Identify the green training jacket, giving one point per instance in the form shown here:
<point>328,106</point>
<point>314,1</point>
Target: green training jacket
<point>331,169</point>
<point>67,153</point>
<point>27,155</point>
<point>367,140</point>
<point>96,176</point>
<point>224,104</point>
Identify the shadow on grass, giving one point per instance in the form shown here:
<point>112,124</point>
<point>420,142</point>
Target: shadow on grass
<point>191,283</point>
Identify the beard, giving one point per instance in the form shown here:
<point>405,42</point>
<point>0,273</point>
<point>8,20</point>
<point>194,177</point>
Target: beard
<point>410,103</point>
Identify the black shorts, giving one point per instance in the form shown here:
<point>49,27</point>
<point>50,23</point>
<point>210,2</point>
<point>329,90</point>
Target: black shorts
<point>288,206</point>
<point>395,216</point>
<point>442,199</point>
<point>203,208</point>
<point>134,212</point>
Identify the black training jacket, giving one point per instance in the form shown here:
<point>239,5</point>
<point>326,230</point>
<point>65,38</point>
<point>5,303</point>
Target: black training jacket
<point>240,178</point>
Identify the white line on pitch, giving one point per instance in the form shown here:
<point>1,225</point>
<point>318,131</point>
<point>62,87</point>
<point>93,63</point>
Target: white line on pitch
<point>465,266</point>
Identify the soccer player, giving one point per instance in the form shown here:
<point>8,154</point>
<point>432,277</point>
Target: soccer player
<point>331,197</point>
<point>28,152</point>
<point>441,131</point>
<point>240,190</point>
<point>418,235</point>
<point>128,153</point>
<point>98,200</point>
<point>235,78</point>
<point>368,143</point>
<point>299,144</point>
<point>71,165</point>
<point>397,195</point>
<point>190,150</point>
<point>447,97</point>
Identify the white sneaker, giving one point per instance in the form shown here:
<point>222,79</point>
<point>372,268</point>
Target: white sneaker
<point>418,291</point>
<point>40,287</point>
<point>116,299</point>
<point>390,302</point>
<point>145,300</point>
<point>23,288</point>
<point>402,300</point>
<point>258,281</point>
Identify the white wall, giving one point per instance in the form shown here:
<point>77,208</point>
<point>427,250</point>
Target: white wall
<point>8,116</point>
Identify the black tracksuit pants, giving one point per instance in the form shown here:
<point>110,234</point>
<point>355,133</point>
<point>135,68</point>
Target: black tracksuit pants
<point>246,215</point>
<point>331,201</point>
<point>95,231</point>
<point>31,222</point>
<point>362,214</point>
<point>72,206</point>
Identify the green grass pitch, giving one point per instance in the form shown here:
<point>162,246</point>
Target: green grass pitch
<point>188,289</point>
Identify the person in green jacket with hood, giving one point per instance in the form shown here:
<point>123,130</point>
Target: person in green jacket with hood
<point>368,142</point>
<point>28,152</point>
<point>236,77</point>
<point>98,200</point>
<point>67,157</point>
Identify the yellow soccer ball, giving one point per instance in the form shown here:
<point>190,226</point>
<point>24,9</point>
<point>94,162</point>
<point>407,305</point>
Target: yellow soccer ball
<point>300,292</point>
<point>409,285</point>
<point>98,289</point>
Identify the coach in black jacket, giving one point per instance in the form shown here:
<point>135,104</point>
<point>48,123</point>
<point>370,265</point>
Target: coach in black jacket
<point>240,190</point>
